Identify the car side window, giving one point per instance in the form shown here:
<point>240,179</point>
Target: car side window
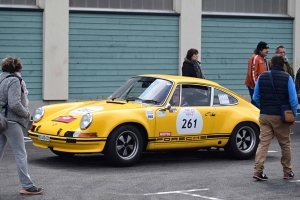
<point>221,98</point>
<point>178,98</point>
<point>197,95</point>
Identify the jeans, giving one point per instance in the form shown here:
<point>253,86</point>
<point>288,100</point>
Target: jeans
<point>251,91</point>
<point>14,136</point>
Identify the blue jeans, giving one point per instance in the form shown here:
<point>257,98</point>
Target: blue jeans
<point>251,91</point>
<point>14,136</point>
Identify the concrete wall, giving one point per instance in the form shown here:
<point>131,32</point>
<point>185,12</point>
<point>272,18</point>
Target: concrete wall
<point>189,27</point>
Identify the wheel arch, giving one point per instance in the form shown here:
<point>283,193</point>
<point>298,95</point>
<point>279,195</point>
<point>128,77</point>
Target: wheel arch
<point>141,128</point>
<point>251,122</point>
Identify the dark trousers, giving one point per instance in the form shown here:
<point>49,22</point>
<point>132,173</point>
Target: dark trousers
<point>251,91</point>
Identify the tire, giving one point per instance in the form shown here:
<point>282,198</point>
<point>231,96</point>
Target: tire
<point>124,146</point>
<point>62,154</point>
<point>243,141</point>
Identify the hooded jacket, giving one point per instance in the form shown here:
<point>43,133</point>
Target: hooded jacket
<point>11,93</point>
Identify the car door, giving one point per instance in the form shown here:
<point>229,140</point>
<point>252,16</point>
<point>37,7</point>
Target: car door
<point>184,124</point>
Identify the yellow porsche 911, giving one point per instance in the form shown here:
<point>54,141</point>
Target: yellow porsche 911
<point>150,113</point>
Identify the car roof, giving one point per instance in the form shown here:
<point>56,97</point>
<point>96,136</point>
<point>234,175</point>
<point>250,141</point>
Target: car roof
<point>192,80</point>
<point>185,79</point>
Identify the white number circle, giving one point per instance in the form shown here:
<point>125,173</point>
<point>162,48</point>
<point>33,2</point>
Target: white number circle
<point>189,121</point>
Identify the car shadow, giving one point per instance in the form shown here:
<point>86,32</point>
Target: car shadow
<point>147,159</point>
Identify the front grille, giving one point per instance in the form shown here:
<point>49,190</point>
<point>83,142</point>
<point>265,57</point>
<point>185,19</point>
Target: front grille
<point>70,140</point>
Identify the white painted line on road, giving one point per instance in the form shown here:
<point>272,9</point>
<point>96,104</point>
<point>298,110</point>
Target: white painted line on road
<point>204,197</point>
<point>27,138</point>
<point>294,181</point>
<point>272,151</point>
<point>173,192</point>
<point>186,192</point>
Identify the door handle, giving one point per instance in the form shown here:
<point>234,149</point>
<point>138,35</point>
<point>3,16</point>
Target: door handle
<point>210,114</point>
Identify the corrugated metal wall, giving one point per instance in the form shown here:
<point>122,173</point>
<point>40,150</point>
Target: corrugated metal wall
<point>21,35</point>
<point>106,49</point>
<point>228,43</point>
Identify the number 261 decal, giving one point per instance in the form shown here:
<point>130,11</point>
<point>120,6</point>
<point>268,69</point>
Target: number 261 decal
<point>189,121</point>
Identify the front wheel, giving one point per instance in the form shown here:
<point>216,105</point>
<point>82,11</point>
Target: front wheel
<point>243,141</point>
<point>124,146</point>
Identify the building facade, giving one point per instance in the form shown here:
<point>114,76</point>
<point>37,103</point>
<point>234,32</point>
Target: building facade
<point>85,49</point>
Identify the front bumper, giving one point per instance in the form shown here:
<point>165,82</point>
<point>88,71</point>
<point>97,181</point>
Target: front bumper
<point>68,144</point>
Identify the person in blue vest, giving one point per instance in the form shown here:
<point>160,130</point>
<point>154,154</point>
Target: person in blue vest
<point>270,116</point>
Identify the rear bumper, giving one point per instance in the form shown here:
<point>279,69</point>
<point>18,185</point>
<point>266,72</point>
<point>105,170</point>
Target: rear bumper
<point>70,145</point>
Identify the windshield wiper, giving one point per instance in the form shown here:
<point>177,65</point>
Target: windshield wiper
<point>131,98</point>
<point>150,101</point>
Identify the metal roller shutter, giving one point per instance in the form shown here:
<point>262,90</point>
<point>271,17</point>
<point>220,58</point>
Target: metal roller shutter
<point>21,35</point>
<point>228,43</point>
<point>106,49</point>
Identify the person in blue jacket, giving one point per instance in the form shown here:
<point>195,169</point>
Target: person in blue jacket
<point>270,116</point>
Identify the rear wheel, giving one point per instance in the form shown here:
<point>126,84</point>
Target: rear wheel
<point>243,141</point>
<point>124,146</point>
<point>62,154</point>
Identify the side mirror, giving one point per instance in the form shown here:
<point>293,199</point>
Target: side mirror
<point>168,106</point>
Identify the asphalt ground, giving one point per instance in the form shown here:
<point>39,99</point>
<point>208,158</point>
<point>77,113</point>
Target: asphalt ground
<point>177,175</point>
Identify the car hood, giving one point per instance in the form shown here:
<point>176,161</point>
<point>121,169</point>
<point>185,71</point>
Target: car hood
<point>59,118</point>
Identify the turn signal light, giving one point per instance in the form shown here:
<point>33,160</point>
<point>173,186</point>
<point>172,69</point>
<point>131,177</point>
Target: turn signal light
<point>83,134</point>
<point>87,134</point>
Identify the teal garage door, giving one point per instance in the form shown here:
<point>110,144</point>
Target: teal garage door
<point>21,35</point>
<point>228,43</point>
<point>106,49</point>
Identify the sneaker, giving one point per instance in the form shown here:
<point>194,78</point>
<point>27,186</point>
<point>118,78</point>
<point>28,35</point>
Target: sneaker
<point>260,176</point>
<point>32,190</point>
<point>288,176</point>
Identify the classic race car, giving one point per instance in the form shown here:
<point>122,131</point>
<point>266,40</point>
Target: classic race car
<point>150,113</point>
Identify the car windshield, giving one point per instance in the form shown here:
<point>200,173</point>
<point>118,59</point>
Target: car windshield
<point>143,89</point>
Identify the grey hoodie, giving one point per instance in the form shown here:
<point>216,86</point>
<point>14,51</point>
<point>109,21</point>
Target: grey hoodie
<point>10,91</point>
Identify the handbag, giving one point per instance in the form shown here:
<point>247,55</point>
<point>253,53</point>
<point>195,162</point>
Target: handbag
<point>287,114</point>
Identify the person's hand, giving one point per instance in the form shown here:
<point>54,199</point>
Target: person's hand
<point>27,115</point>
<point>298,95</point>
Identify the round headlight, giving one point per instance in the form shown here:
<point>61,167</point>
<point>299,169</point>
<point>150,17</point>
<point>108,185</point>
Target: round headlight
<point>86,121</point>
<point>38,114</point>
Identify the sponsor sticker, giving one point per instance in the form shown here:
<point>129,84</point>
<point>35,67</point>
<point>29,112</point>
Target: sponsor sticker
<point>150,114</point>
<point>84,110</point>
<point>164,134</point>
<point>65,119</point>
